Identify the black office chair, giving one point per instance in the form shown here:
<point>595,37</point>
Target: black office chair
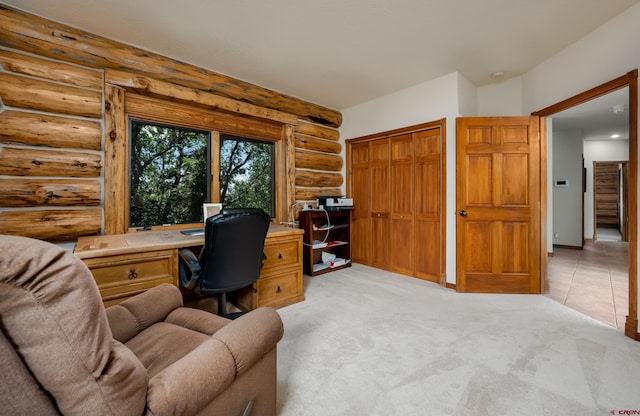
<point>231,257</point>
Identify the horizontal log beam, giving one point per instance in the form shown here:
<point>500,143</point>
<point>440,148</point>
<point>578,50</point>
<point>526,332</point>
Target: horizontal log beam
<point>33,94</point>
<point>52,225</point>
<point>52,131</point>
<point>216,102</point>
<point>310,178</point>
<point>58,41</point>
<point>319,145</point>
<point>50,70</point>
<point>21,192</point>
<point>318,161</point>
<point>140,106</point>
<point>309,194</point>
<point>318,131</point>
<point>36,162</point>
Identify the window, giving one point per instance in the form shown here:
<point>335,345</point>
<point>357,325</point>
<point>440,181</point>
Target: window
<point>170,173</point>
<point>246,173</point>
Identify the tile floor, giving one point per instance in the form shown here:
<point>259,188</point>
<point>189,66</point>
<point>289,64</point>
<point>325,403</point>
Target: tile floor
<point>593,280</point>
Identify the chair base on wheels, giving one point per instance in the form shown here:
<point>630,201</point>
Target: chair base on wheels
<point>222,308</point>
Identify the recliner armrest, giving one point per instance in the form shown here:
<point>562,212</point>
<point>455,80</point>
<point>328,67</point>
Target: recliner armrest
<point>251,336</point>
<point>191,383</point>
<point>135,314</point>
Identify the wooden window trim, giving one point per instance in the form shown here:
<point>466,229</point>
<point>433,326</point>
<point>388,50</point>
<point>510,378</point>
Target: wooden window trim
<point>122,104</point>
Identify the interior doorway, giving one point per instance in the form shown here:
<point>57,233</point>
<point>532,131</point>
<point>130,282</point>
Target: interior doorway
<point>629,81</point>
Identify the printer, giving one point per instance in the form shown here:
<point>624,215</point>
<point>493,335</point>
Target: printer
<point>334,203</point>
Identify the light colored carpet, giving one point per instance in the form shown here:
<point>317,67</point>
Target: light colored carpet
<point>369,342</point>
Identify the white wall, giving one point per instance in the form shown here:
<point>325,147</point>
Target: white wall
<point>467,97</point>
<point>501,99</point>
<point>606,53</point>
<point>601,151</point>
<point>567,201</point>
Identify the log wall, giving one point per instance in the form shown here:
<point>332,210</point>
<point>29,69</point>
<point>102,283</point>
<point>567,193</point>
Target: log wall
<point>50,148</point>
<point>52,124</point>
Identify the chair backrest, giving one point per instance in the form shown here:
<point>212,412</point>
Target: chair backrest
<point>233,250</point>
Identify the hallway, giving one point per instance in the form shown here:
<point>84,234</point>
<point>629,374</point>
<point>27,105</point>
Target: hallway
<point>593,280</point>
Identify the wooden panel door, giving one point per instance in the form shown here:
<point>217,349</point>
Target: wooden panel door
<point>606,186</point>
<point>498,205</point>
<point>360,191</point>
<point>380,218</point>
<point>428,237</point>
<point>402,192</point>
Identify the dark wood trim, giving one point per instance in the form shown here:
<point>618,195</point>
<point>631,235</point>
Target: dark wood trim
<point>631,328</point>
<point>450,286</point>
<point>630,80</point>
<point>403,130</point>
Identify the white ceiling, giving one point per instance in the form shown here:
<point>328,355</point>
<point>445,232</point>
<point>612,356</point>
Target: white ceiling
<point>596,118</point>
<point>340,53</point>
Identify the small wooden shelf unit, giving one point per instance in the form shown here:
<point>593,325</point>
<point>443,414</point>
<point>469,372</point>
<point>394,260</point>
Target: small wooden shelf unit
<point>332,228</point>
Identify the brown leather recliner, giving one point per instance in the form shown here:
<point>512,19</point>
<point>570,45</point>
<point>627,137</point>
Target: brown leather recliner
<point>62,353</point>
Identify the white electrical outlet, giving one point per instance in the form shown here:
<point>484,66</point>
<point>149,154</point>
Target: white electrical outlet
<point>556,235</point>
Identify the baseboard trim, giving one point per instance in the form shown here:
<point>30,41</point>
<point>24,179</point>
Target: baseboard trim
<point>631,328</point>
<point>450,286</point>
<point>569,247</point>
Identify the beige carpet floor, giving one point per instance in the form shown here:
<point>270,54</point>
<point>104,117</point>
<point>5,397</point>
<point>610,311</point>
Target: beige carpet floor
<point>369,342</point>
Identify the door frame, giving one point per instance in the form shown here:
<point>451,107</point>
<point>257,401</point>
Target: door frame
<point>630,80</point>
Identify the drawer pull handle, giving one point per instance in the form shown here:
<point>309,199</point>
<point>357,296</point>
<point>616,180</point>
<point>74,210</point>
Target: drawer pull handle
<point>132,274</point>
<point>278,290</point>
<point>280,257</point>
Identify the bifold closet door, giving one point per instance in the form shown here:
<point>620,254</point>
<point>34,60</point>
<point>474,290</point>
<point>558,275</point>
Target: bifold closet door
<point>380,215</point>
<point>402,192</point>
<point>429,253</point>
<point>360,191</point>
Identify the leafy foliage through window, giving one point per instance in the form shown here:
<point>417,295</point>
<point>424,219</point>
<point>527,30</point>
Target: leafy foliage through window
<point>170,178</point>
<point>246,173</point>
<point>168,174</point>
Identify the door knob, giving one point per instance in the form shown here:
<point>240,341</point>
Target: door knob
<point>463,213</point>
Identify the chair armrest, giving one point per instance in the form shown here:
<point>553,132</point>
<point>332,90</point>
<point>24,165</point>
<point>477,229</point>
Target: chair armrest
<point>135,314</point>
<point>191,383</point>
<point>251,336</point>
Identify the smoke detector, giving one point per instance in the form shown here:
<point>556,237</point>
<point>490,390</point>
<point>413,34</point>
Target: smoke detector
<point>618,109</point>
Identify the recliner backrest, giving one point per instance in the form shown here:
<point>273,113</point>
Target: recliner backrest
<point>52,315</point>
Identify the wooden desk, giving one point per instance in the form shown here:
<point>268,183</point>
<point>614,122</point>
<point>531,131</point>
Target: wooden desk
<point>124,265</point>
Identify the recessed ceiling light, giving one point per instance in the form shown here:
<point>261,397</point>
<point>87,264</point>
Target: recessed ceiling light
<point>615,136</point>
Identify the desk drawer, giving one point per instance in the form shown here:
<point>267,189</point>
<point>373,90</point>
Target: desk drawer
<point>126,275</point>
<point>281,254</point>
<point>279,290</point>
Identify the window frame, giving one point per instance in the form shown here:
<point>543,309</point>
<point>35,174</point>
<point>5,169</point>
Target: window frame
<point>121,104</point>
<point>208,174</point>
<point>272,151</point>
